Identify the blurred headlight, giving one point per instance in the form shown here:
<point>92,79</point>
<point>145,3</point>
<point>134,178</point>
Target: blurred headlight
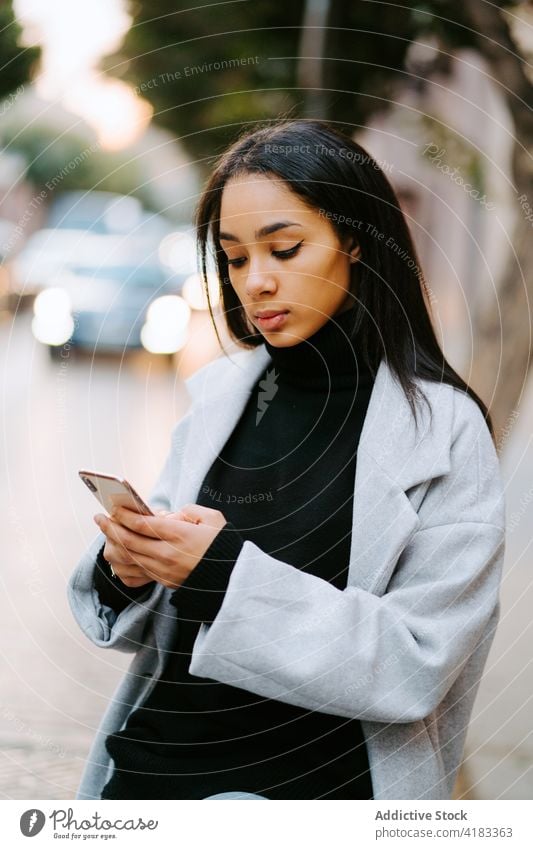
<point>51,301</point>
<point>194,291</point>
<point>178,251</point>
<point>167,320</point>
<point>52,323</point>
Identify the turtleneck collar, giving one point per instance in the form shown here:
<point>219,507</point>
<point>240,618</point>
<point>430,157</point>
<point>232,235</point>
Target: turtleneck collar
<point>329,358</point>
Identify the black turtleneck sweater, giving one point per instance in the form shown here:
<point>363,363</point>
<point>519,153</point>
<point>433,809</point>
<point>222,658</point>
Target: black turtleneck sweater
<point>285,481</point>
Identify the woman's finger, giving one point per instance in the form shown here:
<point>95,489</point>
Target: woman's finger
<point>198,513</point>
<point>155,527</point>
<point>122,536</point>
<point>154,570</point>
<point>120,558</point>
<point>134,583</point>
<point>153,557</point>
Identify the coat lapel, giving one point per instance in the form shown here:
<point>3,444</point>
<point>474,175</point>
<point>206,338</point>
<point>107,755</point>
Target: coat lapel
<point>392,457</point>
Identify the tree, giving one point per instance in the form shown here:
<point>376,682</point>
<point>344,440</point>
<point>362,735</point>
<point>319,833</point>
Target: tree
<point>186,62</point>
<point>65,160</point>
<point>16,63</point>
<point>209,70</point>
<point>508,320</point>
<point>501,329</point>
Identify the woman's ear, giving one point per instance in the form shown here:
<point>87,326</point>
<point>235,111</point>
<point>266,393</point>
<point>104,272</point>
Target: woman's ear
<point>355,253</point>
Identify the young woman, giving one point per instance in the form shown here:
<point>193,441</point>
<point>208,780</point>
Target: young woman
<point>311,610</point>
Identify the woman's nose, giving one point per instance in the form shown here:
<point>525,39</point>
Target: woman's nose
<point>260,280</point>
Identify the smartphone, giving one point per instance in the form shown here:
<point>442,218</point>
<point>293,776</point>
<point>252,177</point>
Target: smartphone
<point>113,492</point>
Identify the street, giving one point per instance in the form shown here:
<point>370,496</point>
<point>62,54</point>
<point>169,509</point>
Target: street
<point>58,417</point>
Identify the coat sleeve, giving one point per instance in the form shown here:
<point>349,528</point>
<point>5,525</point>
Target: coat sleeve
<point>291,636</point>
<point>108,628</point>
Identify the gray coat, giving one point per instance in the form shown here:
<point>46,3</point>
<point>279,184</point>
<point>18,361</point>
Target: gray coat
<point>402,648</point>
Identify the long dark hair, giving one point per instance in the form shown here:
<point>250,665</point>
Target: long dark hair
<point>337,177</point>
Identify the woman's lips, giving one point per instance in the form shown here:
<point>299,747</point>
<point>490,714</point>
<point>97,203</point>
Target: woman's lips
<point>273,322</point>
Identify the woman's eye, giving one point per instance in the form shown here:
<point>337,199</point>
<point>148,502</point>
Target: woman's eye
<point>237,262</point>
<point>288,253</point>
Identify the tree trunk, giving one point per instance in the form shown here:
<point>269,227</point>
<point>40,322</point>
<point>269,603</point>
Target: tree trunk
<point>502,335</point>
<point>310,75</point>
<point>502,331</point>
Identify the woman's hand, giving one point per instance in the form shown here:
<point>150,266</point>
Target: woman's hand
<point>163,548</point>
<point>122,564</point>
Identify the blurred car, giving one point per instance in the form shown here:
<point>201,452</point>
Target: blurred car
<point>108,307</point>
<point>48,253</point>
<point>80,227</point>
<point>113,292</point>
<point>99,212</point>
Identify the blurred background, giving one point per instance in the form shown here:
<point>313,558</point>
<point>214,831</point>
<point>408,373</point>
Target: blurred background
<point>111,116</point>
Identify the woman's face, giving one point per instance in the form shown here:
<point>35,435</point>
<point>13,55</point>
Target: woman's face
<point>284,258</point>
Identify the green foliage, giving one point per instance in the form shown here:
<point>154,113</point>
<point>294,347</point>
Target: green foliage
<point>455,149</point>
<point>16,62</point>
<point>209,70</point>
<point>62,161</point>
<point>171,51</point>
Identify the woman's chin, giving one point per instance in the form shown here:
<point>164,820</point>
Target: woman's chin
<point>281,340</point>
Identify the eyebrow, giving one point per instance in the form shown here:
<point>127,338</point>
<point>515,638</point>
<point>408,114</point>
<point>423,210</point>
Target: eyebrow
<point>263,231</point>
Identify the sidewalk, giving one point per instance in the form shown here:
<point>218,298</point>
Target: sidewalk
<point>499,747</point>
<point>29,773</point>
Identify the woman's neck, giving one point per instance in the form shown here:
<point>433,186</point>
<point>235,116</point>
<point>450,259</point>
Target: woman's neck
<point>330,357</point>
